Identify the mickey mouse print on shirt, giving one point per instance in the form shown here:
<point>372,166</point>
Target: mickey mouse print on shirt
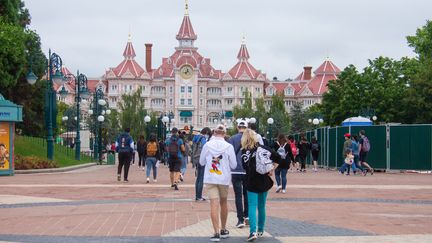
<point>215,165</point>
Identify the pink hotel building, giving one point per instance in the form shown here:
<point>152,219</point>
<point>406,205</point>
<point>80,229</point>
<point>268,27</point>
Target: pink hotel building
<point>187,85</point>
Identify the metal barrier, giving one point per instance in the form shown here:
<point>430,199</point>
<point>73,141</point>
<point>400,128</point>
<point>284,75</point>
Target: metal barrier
<point>393,147</point>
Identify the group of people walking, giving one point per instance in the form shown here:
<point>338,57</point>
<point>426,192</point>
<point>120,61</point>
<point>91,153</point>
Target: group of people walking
<point>243,160</point>
<point>354,152</point>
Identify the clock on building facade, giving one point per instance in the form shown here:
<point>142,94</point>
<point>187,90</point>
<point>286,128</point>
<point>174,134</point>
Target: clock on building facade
<point>186,72</point>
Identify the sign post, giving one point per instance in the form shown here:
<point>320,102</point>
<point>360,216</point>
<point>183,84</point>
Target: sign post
<point>9,114</point>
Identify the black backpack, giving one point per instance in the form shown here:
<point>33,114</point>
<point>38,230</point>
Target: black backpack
<point>173,148</point>
<point>124,142</point>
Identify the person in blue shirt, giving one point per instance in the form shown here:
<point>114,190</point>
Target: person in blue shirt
<point>175,148</point>
<point>124,146</point>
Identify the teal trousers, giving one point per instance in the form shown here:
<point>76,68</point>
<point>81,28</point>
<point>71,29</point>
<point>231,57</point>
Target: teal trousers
<point>257,202</point>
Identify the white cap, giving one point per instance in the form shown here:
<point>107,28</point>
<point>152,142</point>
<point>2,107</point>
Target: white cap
<point>242,123</point>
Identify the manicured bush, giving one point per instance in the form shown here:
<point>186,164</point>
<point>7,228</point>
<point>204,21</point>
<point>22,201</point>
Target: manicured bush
<point>33,162</point>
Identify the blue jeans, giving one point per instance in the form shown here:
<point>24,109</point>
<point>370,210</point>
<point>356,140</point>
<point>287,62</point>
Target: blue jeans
<point>199,182</point>
<point>240,189</point>
<point>151,164</point>
<point>257,201</point>
<point>184,164</point>
<point>281,174</point>
<point>345,167</point>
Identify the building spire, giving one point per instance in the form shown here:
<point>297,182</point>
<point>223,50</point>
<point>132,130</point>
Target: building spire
<point>186,8</point>
<point>243,54</point>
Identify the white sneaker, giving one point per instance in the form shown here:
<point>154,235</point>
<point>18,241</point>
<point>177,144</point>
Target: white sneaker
<point>143,168</point>
<point>283,191</point>
<point>148,180</point>
<point>154,180</point>
<point>278,189</point>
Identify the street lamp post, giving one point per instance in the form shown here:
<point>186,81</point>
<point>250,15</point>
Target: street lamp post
<point>270,122</point>
<point>165,120</point>
<point>54,75</point>
<point>147,120</point>
<point>98,117</point>
<point>81,91</point>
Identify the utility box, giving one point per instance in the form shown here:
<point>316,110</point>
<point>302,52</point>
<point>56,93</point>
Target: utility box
<point>111,159</point>
<point>10,113</point>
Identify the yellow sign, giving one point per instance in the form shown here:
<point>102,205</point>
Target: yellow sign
<point>4,146</point>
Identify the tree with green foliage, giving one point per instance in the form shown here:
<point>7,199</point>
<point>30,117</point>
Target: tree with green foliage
<point>381,86</point>
<point>244,110</point>
<point>279,114</point>
<point>298,118</point>
<point>19,47</point>
<point>418,100</point>
<point>132,113</point>
<point>261,114</point>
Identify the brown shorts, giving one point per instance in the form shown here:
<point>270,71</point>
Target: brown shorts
<point>215,191</point>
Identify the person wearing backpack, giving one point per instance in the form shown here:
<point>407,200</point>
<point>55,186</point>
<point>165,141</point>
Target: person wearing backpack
<point>141,149</point>
<point>284,158</point>
<point>185,155</point>
<point>258,162</point>
<point>239,181</point>
<point>124,148</point>
<point>218,158</point>
<point>152,157</point>
<point>364,150</point>
<point>175,148</point>
<point>315,150</point>
<point>198,142</point>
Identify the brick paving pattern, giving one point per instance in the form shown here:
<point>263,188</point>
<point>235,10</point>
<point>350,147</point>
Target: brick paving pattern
<point>89,205</point>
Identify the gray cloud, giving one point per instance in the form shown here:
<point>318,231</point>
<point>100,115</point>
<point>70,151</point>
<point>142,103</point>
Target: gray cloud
<point>281,36</point>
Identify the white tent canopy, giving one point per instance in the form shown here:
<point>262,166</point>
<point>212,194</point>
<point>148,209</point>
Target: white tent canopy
<point>357,121</point>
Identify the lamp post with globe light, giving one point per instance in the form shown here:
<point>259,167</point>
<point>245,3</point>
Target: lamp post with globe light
<point>54,75</point>
<point>97,112</point>
<point>147,120</point>
<point>270,122</point>
<point>81,92</point>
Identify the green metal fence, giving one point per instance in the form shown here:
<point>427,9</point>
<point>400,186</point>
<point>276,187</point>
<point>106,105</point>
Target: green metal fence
<point>393,147</point>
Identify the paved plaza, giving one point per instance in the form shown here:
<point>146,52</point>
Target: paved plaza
<point>89,205</point>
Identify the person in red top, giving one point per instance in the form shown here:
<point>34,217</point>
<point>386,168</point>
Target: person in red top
<point>294,165</point>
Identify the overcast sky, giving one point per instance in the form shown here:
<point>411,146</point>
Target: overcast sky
<point>281,35</point>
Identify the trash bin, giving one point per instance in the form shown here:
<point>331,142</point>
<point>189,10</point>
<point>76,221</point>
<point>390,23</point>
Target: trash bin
<point>111,159</point>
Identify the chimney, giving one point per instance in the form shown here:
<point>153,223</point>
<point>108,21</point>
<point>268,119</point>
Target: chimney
<point>307,75</point>
<point>148,57</point>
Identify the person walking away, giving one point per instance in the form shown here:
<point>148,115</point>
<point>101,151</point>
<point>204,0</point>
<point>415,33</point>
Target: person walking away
<point>315,151</point>
<point>253,126</point>
<point>175,148</point>
<point>356,152</point>
<point>124,146</point>
<point>239,177</point>
<point>185,156</point>
<point>294,165</point>
<point>218,158</point>
<point>152,157</point>
<point>349,160</point>
<point>284,158</point>
<point>259,182</point>
<point>163,152</point>
<point>364,150</point>
<point>198,142</point>
<point>346,147</point>
<point>141,149</point>
<point>304,147</point>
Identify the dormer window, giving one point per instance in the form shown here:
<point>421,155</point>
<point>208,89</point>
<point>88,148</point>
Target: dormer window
<point>289,91</point>
<point>270,91</point>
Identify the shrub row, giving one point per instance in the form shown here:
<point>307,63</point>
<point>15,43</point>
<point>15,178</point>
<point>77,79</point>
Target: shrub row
<point>33,162</point>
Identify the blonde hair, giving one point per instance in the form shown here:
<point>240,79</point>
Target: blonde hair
<point>249,139</point>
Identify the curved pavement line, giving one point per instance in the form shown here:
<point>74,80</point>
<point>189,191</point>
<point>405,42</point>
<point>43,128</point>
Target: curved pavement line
<point>426,238</point>
<point>127,185</point>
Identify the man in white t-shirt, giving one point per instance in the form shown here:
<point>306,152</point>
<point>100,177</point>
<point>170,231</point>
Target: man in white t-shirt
<point>219,158</point>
